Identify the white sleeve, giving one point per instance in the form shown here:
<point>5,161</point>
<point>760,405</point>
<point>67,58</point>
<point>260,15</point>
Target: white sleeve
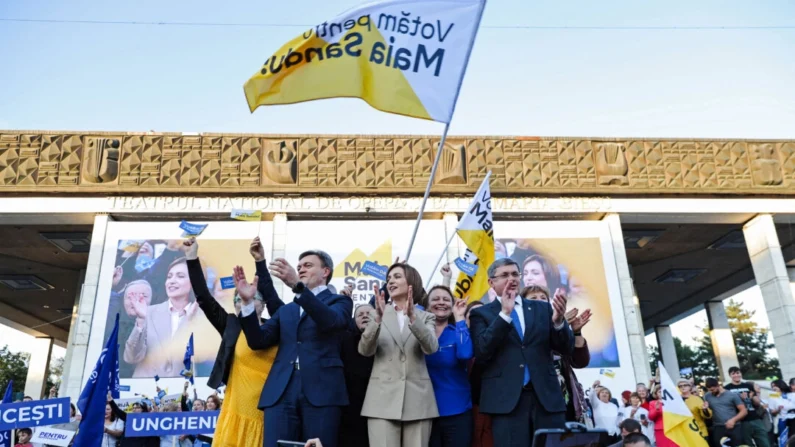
<point>247,309</point>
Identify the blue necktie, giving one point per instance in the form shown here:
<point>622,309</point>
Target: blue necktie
<point>518,326</point>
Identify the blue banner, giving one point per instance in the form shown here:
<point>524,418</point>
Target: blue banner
<point>36,413</point>
<point>467,268</point>
<point>192,229</point>
<point>164,424</point>
<point>227,282</point>
<point>124,387</point>
<point>685,371</point>
<point>5,437</point>
<point>783,438</point>
<point>375,270</point>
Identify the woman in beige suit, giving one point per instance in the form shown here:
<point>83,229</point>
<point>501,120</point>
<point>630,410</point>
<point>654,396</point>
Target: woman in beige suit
<point>399,403</point>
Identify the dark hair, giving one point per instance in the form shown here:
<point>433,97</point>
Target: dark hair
<point>25,430</point>
<point>325,261</point>
<point>534,288</point>
<point>630,425</point>
<point>502,263</point>
<point>182,260</point>
<point>792,382</point>
<point>712,382</point>
<point>782,385</point>
<point>734,369</point>
<point>215,400</point>
<point>414,279</point>
<point>112,413</point>
<point>451,318</point>
<point>472,305</point>
<point>551,273</point>
<point>635,438</point>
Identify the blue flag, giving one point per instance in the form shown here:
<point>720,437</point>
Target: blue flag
<point>94,397</point>
<point>187,361</point>
<point>5,437</point>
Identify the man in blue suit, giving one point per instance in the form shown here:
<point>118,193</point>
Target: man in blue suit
<point>514,339</point>
<point>305,390</point>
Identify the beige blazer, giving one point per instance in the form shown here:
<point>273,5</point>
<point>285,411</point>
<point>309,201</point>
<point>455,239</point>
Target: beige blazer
<point>152,348</point>
<point>400,388</point>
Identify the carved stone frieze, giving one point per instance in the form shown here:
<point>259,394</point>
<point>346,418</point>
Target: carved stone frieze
<point>145,163</point>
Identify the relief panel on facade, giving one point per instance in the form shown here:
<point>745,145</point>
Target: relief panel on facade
<point>390,164</point>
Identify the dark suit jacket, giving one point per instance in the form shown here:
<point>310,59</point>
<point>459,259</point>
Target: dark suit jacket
<point>314,338</point>
<point>504,355</point>
<point>225,323</point>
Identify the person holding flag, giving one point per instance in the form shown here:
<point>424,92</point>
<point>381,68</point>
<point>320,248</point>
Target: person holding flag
<point>187,361</point>
<point>679,427</point>
<point>93,400</point>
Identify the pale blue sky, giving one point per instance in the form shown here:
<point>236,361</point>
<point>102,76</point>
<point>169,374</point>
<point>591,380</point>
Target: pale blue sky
<point>574,82</point>
<point>675,83</point>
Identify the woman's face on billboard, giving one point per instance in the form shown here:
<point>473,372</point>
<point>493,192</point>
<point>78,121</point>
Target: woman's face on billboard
<point>177,281</point>
<point>534,274</point>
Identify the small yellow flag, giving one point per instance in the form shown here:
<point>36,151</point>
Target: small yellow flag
<point>247,215</point>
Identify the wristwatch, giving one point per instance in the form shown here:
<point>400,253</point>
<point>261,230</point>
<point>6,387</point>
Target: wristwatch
<point>299,288</point>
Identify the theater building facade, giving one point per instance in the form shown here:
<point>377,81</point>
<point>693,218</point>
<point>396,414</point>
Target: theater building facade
<point>641,231</point>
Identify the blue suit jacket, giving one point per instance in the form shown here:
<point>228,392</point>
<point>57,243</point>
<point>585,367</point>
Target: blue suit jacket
<point>314,338</point>
<point>504,356</point>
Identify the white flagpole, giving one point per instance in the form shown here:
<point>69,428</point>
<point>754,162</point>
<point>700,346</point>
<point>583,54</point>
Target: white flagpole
<point>439,261</point>
<point>444,134</point>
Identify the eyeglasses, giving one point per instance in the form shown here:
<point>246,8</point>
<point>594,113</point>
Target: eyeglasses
<point>506,275</point>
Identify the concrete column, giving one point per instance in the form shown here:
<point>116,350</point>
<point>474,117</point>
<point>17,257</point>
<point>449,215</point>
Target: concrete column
<point>450,224</point>
<point>635,332</point>
<point>280,251</point>
<point>771,275</point>
<point>72,326</point>
<point>77,349</point>
<point>38,367</point>
<point>665,341</point>
<point>722,340</point>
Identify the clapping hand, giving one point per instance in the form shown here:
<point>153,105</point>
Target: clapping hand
<point>246,290</point>
<point>410,306</point>
<point>347,291</point>
<point>282,269</point>
<point>559,307</point>
<point>579,321</point>
<point>257,250</point>
<point>380,304</point>
<point>459,310</point>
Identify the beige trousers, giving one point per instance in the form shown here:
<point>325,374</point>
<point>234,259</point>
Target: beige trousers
<point>387,433</point>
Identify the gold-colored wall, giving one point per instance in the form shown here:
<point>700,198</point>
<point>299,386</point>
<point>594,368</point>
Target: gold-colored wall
<point>146,163</point>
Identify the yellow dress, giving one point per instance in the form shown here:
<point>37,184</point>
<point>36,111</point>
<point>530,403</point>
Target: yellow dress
<point>240,423</point>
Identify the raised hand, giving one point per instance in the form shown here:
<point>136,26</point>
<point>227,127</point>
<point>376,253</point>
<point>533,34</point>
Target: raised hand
<point>246,290</point>
<point>571,315</point>
<point>257,250</point>
<point>380,304</point>
<point>580,321</point>
<point>53,392</point>
<point>445,271</point>
<point>559,306</point>
<point>508,301</point>
<point>185,389</point>
<point>282,269</point>
<point>118,272</point>
<point>347,291</point>
<point>459,310</point>
<point>191,248</point>
<point>139,306</point>
<point>410,306</point>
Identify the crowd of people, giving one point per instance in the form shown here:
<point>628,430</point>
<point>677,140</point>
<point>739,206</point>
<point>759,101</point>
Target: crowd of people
<point>422,368</point>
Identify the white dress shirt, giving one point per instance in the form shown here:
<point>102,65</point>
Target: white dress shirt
<point>176,317</point>
<point>249,308</point>
<point>518,308</point>
<point>401,317</point>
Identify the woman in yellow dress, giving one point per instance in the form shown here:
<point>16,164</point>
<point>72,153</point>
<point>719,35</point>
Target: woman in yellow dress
<point>244,371</point>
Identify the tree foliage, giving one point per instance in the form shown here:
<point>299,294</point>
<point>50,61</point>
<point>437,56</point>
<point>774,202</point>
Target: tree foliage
<point>751,342</point>
<point>13,366</point>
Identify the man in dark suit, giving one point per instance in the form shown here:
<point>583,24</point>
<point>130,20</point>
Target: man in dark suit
<point>514,339</point>
<point>305,390</point>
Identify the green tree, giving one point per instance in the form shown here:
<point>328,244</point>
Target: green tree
<point>13,366</point>
<point>688,357</point>
<point>751,342</point>
<point>56,371</point>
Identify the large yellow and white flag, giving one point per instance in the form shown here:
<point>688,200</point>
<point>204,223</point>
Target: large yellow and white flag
<point>476,229</point>
<point>678,422</point>
<point>400,56</point>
